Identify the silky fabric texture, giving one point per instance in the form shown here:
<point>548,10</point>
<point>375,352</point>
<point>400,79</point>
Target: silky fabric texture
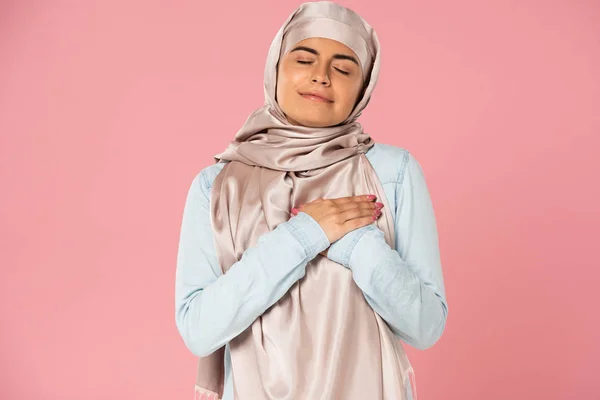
<point>321,340</point>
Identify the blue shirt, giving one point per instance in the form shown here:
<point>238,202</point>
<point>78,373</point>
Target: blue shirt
<point>404,286</point>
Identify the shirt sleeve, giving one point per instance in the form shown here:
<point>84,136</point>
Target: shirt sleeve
<point>404,286</point>
<point>211,308</point>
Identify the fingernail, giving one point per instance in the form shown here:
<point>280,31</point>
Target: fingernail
<point>377,212</point>
<point>371,197</point>
<point>294,211</point>
<point>379,205</point>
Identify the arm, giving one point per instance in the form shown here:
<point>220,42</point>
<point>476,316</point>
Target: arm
<point>404,286</point>
<point>211,308</point>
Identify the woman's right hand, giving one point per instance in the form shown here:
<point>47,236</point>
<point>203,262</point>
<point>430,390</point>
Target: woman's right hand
<point>341,215</point>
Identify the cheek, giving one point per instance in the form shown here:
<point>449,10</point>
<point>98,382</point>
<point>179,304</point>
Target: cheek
<point>358,86</point>
<point>293,74</point>
<point>350,95</point>
<point>282,89</point>
<point>284,82</point>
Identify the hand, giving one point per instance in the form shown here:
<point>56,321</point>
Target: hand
<point>341,215</point>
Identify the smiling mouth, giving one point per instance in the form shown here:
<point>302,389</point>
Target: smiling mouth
<point>315,97</point>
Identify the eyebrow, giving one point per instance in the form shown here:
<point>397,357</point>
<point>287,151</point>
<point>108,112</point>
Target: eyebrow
<point>335,56</point>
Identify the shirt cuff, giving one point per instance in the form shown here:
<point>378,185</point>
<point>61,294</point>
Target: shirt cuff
<point>341,250</point>
<point>367,256</point>
<point>309,233</point>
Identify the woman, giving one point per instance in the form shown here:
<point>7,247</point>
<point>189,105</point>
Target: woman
<point>308,252</point>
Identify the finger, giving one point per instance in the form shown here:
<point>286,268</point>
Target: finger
<point>360,198</point>
<point>362,204</point>
<point>318,200</point>
<point>358,213</point>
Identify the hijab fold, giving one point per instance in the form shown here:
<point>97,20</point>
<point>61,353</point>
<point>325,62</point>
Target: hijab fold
<point>321,340</point>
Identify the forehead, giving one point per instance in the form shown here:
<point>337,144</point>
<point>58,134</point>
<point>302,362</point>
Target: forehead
<point>325,46</point>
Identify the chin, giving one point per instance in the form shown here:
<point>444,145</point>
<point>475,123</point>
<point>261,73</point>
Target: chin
<point>315,122</point>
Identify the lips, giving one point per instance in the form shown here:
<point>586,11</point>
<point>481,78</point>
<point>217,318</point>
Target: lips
<point>316,97</point>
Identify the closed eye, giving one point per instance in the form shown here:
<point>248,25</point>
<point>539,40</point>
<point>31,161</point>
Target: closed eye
<point>310,62</point>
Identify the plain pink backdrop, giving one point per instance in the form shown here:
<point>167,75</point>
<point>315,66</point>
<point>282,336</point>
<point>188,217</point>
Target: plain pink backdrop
<point>109,109</point>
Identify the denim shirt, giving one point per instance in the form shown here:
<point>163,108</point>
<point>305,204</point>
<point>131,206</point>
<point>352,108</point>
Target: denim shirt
<point>404,286</point>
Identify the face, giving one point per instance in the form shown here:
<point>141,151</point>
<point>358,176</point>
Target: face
<point>318,82</point>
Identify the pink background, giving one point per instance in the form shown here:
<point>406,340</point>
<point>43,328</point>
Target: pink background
<point>108,110</point>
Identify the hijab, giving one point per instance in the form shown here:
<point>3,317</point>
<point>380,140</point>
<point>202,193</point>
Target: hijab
<point>321,340</point>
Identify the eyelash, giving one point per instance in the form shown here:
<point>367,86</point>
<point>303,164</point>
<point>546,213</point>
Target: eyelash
<point>310,62</point>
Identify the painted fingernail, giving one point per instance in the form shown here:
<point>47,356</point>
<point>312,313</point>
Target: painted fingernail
<point>371,197</point>
<point>377,212</point>
<point>294,211</point>
<point>379,205</point>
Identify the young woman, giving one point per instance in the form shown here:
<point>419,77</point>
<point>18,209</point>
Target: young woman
<point>308,252</point>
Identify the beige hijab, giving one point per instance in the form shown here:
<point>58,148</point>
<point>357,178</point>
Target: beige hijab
<point>321,340</point>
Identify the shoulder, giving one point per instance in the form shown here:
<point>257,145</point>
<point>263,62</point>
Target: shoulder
<point>390,162</point>
<point>206,176</point>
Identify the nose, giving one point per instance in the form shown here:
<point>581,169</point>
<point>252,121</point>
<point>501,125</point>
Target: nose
<point>323,80</point>
<point>320,76</point>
